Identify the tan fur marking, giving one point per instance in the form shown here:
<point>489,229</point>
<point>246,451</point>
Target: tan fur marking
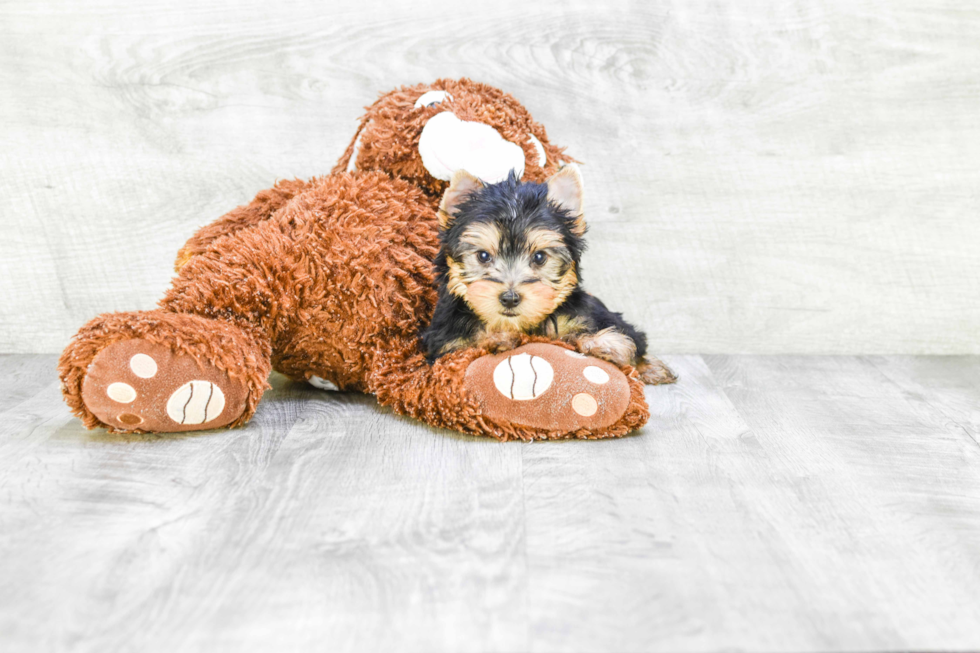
<point>498,341</point>
<point>539,299</point>
<point>654,372</point>
<point>567,326</point>
<point>455,285</point>
<point>482,296</point>
<point>453,345</point>
<point>493,341</point>
<point>538,303</point>
<point>566,285</point>
<point>482,235</point>
<point>543,239</point>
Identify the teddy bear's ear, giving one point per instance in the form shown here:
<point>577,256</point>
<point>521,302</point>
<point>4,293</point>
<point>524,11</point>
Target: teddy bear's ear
<point>565,189</point>
<point>461,185</point>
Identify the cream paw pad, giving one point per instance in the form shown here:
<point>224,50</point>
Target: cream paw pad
<point>136,385</point>
<point>545,386</point>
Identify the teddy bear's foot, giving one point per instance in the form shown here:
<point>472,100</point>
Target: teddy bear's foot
<point>139,385</point>
<point>554,392</point>
<point>162,371</point>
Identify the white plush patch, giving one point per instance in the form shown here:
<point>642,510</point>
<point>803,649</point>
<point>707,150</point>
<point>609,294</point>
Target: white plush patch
<point>523,377</point>
<point>429,98</point>
<point>352,164</point>
<point>539,148</point>
<point>595,374</point>
<point>322,384</point>
<point>448,144</point>
<point>121,392</point>
<point>196,402</point>
<point>585,404</point>
<point>143,366</point>
<point>574,354</point>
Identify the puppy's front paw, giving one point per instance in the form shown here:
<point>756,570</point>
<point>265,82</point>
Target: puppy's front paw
<point>654,372</point>
<point>499,341</point>
<point>608,344</point>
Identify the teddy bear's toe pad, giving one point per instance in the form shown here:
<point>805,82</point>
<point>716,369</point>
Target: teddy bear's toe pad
<point>548,387</point>
<point>138,385</point>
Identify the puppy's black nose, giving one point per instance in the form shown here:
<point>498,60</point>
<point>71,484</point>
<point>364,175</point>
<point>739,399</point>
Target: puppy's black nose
<point>510,299</point>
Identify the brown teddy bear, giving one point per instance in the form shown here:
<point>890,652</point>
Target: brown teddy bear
<point>331,280</point>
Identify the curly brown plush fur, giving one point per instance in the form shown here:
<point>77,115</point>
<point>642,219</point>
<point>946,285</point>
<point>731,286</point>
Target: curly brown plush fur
<point>330,278</point>
<point>261,208</point>
<point>387,140</point>
<point>389,131</point>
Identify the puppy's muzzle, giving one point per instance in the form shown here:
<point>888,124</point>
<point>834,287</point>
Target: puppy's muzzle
<point>510,299</point>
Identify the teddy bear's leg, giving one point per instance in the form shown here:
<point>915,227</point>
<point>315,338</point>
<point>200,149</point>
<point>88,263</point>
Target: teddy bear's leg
<point>540,390</point>
<point>202,360</point>
<point>261,208</point>
<point>163,372</point>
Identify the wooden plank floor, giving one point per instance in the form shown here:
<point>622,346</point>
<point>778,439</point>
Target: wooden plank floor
<point>772,503</point>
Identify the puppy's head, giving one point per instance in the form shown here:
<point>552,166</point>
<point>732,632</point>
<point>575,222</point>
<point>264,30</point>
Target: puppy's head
<point>512,249</point>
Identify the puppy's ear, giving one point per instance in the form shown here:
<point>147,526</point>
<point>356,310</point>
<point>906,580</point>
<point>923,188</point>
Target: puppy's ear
<point>461,185</point>
<point>565,190</point>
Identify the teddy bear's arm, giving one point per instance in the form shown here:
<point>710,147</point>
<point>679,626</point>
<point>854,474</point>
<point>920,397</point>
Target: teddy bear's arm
<point>261,208</point>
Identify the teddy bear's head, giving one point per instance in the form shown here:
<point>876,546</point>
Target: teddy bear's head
<point>425,133</point>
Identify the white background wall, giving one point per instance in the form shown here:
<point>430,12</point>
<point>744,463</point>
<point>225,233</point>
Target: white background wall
<point>780,176</point>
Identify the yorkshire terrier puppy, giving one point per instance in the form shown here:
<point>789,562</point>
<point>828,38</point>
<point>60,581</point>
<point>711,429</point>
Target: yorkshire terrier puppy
<point>509,264</point>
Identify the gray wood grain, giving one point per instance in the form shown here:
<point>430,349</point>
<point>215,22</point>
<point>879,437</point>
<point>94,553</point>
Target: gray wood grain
<point>867,494</point>
<point>771,177</point>
<point>772,503</point>
<point>327,523</point>
<point>24,375</point>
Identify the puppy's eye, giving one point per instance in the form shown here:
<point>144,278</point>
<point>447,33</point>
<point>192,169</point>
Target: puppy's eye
<point>539,258</point>
<point>483,256</point>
